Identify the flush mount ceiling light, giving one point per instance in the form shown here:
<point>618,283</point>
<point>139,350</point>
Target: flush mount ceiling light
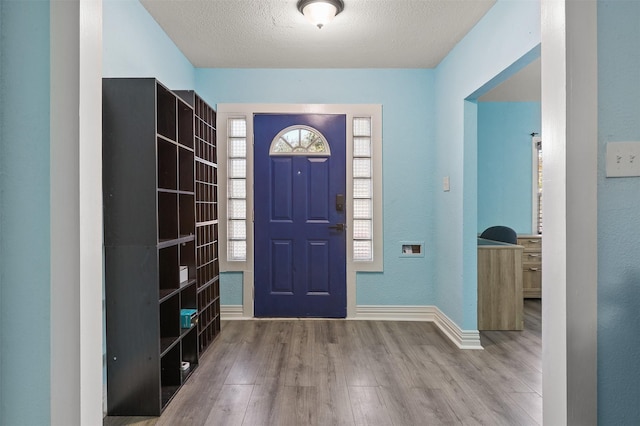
<point>320,12</point>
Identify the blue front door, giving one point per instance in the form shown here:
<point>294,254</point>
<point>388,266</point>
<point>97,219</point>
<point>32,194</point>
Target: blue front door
<point>300,240</point>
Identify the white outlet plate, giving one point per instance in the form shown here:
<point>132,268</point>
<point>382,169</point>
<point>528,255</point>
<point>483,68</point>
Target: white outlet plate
<point>623,159</point>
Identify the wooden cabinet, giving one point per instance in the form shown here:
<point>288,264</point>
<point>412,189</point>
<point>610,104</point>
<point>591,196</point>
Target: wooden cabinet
<point>150,244</point>
<point>206,181</point>
<point>531,265</point>
<point>500,302</point>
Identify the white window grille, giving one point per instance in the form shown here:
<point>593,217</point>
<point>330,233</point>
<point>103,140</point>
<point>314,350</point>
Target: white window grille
<point>362,190</point>
<point>237,189</point>
<point>300,140</point>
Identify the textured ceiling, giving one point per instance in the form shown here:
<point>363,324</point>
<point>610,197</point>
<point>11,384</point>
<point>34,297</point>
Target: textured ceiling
<point>273,34</point>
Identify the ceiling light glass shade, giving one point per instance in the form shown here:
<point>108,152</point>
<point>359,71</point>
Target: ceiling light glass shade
<point>320,12</point>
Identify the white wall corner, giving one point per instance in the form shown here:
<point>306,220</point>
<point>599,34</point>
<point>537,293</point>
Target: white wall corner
<point>76,360</point>
<point>570,181</point>
<point>463,339</point>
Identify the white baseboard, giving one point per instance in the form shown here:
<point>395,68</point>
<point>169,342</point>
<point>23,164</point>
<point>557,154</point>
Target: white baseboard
<point>231,312</point>
<point>464,339</point>
<point>395,313</point>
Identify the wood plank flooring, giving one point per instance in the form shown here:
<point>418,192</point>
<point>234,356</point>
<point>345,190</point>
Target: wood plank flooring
<point>336,372</point>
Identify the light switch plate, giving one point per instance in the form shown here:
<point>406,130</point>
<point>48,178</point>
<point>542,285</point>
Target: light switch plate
<point>623,159</point>
<point>445,184</point>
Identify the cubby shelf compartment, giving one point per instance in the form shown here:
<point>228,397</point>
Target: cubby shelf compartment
<point>185,125</point>
<point>188,300</point>
<point>170,377</point>
<point>206,214</point>
<point>189,351</point>
<point>167,216</point>
<point>186,214</point>
<point>166,108</point>
<point>186,157</point>
<point>150,244</point>
<point>167,164</point>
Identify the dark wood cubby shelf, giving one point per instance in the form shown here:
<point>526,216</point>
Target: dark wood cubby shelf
<point>154,142</point>
<point>206,213</point>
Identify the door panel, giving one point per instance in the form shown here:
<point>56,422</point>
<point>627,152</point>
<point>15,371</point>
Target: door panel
<point>282,266</point>
<point>282,189</point>
<point>318,191</point>
<point>300,262</point>
<point>319,264</point>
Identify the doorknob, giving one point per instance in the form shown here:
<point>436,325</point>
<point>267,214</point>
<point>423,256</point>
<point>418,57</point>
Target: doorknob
<point>337,227</point>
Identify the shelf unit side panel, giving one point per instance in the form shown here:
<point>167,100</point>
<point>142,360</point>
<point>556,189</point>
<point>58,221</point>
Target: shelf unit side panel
<point>132,319</point>
<point>129,162</point>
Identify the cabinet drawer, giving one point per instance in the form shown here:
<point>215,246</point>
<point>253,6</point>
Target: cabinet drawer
<point>532,257</point>
<point>531,281</point>
<point>532,267</point>
<point>532,242</point>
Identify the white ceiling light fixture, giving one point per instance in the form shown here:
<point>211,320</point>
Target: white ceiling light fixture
<point>320,12</point>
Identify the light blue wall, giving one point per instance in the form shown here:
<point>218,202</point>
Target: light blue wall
<point>415,208</point>
<point>506,34</point>
<point>512,27</point>
<point>134,45</point>
<point>505,163</point>
<point>408,125</point>
<point>231,288</point>
<point>24,213</point>
<point>618,217</point>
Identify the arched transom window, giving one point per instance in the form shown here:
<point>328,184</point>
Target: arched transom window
<point>300,140</point>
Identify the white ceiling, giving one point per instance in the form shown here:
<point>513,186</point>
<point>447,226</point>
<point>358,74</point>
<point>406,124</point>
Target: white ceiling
<point>273,34</point>
<point>523,86</point>
<point>367,34</point>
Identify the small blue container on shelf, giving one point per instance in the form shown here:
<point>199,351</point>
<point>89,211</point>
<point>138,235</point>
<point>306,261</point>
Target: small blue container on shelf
<point>188,317</point>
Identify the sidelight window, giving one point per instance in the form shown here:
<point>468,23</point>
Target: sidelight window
<point>362,190</point>
<point>237,189</point>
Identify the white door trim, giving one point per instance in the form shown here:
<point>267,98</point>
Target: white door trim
<point>227,111</point>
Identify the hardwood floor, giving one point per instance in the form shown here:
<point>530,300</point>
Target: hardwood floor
<point>336,372</point>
